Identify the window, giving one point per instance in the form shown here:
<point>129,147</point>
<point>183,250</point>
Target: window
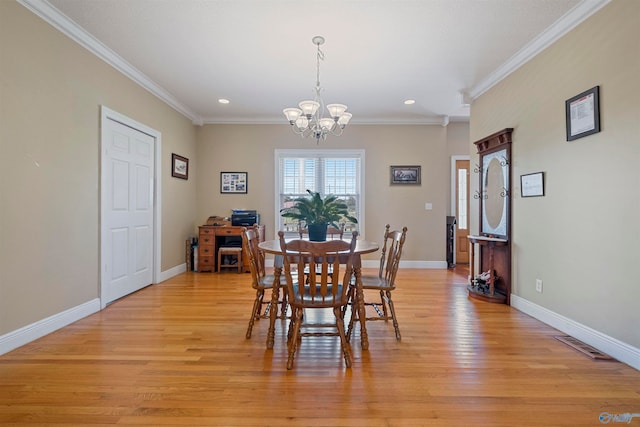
<point>462,199</point>
<point>337,172</point>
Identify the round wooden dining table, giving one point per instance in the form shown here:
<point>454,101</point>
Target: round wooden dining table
<point>362,247</point>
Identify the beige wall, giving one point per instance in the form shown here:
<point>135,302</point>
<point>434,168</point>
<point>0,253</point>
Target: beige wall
<point>251,148</point>
<point>582,237</point>
<point>51,92</point>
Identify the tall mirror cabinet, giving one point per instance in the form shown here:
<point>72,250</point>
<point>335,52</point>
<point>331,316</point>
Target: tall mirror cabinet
<point>491,248</point>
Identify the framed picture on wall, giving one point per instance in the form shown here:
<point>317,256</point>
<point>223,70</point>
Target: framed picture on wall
<point>405,175</point>
<point>233,182</point>
<point>583,114</point>
<point>179,166</point>
<point>532,185</point>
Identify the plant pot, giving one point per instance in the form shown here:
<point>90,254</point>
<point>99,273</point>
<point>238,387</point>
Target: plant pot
<point>317,232</point>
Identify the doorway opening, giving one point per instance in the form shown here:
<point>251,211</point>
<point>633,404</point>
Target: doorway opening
<point>460,188</point>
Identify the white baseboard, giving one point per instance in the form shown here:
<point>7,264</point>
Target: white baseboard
<point>36,330</point>
<point>168,274</point>
<point>617,349</point>
<point>374,263</point>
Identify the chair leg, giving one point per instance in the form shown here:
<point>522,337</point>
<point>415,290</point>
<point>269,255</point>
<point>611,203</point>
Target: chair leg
<point>292,323</point>
<point>346,347</point>
<point>293,340</point>
<point>266,310</point>
<point>257,306</point>
<point>354,313</point>
<point>384,306</point>
<point>393,316</point>
<point>290,328</point>
<point>350,296</point>
<point>285,305</point>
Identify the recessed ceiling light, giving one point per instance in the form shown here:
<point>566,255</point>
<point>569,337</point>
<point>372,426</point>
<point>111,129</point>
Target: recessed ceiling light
<point>409,102</point>
<point>223,101</point>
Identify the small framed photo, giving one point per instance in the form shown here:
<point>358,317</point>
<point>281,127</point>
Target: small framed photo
<point>233,182</point>
<point>179,166</point>
<point>532,185</point>
<point>405,175</point>
<point>583,114</point>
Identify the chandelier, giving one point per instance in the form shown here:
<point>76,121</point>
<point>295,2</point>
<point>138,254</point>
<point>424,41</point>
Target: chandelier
<point>308,120</point>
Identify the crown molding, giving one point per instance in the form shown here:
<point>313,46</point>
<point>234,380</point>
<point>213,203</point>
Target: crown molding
<point>562,26</point>
<point>427,120</point>
<point>62,23</point>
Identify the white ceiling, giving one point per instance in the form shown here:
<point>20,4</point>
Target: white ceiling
<point>259,55</point>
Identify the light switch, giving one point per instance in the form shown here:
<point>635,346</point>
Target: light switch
<point>428,206</point>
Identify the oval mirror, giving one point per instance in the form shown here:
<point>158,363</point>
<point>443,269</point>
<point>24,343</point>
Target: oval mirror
<point>495,187</point>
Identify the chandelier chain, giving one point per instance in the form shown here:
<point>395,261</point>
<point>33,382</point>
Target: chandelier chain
<point>320,57</point>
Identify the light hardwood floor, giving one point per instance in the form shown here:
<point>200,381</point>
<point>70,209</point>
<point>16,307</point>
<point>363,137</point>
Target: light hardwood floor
<point>176,354</point>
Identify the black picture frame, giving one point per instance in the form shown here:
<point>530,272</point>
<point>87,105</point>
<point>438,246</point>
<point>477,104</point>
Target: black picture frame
<point>532,184</point>
<point>405,175</point>
<point>179,166</point>
<point>234,182</point>
<point>583,114</point>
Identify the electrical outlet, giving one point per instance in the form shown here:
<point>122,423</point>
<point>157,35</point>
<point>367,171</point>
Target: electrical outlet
<point>539,285</point>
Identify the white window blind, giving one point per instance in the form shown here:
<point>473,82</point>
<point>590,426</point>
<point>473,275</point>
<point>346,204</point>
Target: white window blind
<point>336,172</point>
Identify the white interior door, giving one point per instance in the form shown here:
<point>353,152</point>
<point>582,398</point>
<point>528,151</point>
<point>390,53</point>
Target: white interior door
<point>128,165</point>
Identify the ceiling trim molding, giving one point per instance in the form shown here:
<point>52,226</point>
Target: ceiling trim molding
<point>276,121</point>
<point>62,23</point>
<point>562,26</point>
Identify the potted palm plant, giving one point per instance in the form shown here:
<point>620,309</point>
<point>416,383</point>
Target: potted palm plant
<point>318,213</point>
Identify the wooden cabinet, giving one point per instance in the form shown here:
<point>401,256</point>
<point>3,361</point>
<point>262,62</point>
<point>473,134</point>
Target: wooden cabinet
<point>493,243</point>
<point>211,237</point>
<point>492,251</point>
<point>206,249</point>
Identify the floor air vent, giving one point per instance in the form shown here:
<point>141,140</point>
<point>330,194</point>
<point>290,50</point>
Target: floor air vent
<point>582,347</point>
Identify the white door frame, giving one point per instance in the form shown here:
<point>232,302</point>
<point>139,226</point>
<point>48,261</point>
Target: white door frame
<point>108,114</point>
<point>453,192</point>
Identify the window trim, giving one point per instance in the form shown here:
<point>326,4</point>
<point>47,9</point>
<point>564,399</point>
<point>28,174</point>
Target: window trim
<point>325,153</point>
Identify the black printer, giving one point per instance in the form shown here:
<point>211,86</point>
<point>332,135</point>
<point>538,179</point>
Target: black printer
<point>244,217</point>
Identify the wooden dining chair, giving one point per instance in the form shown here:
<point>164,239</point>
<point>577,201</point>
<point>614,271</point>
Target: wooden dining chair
<point>325,287</point>
<point>333,233</point>
<point>384,282</point>
<point>260,281</point>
